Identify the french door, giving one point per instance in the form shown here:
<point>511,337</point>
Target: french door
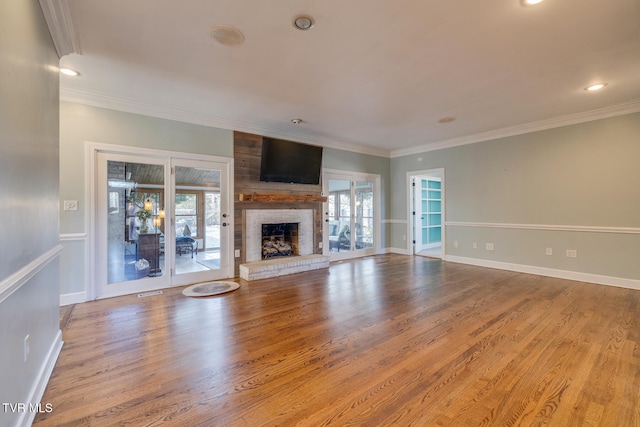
<point>159,221</point>
<point>351,227</point>
<point>201,221</point>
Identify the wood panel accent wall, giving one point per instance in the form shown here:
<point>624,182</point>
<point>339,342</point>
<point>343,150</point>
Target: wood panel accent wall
<point>247,150</point>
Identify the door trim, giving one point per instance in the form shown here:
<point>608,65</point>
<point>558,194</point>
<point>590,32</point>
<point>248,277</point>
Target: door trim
<point>437,172</point>
<point>91,152</point>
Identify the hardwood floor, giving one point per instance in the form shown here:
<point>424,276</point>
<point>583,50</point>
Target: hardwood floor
<point>380,341</point>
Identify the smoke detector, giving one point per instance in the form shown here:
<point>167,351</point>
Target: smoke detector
<point>296,121</point>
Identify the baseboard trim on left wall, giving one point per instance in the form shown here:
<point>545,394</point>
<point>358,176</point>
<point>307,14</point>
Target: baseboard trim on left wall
<point>37,391</point>
<point>73,298</point>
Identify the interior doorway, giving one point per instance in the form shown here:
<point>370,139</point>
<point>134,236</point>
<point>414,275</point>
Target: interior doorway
<point>426,213</point>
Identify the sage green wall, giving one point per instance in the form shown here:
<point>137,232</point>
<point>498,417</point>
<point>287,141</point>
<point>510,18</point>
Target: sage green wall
<point>29,284</point>
<point>580,175</point>
<point>80,124</point>
<point>365,163</point>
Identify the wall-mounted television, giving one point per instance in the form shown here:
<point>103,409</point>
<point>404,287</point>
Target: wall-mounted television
<point>291,162</point>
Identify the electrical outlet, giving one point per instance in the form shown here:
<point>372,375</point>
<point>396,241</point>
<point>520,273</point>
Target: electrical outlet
<point>475,245</point>
<point>319,245</point>
<point>572,253</point>
<point>404,237</point>
<point>548,251</point>
<point>27,348</point>
<point>455,244</point>
<point>237,253</point>
<point>489,246</point>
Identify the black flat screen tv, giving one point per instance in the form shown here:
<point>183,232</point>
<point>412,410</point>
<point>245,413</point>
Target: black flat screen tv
<point>291,162</point>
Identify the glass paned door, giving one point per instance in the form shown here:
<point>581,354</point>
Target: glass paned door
<point>364,225</point>
<point>201,221</point>
<point>339,215</point>
<point>350,215</point>
<point>130,211</point>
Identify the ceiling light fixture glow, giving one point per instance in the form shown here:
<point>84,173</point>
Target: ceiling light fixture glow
<point>531,2</point>
<point>595,86</point>
<point>69,72</point>
<point>303,22</point>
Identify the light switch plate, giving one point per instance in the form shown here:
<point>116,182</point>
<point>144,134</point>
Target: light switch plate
<point>70,205</point>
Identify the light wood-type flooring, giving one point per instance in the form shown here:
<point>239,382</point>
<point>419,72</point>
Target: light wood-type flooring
<point>386,340</point>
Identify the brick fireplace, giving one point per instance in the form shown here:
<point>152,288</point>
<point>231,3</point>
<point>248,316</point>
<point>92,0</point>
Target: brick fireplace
<point>256,219</point>
<point>300,198</point>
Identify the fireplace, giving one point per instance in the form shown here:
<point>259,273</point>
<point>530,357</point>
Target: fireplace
<point>279,239</point>
<point>283,222</point>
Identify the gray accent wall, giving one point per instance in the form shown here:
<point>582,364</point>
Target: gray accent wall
<point>512,191</point>
<point>29,246</point>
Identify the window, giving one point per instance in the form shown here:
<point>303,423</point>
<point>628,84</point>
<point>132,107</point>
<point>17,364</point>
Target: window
<point>186,214</point>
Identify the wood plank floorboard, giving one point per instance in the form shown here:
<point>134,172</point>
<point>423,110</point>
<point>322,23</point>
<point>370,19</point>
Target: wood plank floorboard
<point>386,340</point>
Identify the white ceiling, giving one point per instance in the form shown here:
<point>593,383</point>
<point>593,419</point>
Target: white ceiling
<point>372,75</point>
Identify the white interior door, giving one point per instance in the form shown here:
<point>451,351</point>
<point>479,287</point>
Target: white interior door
<point>427,212</point>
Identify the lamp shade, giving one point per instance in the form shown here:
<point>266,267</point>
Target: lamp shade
<point>148,205</point>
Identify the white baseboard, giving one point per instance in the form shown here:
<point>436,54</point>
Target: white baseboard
<point>549,272</point>
<point>399,251</point>
<point>73,298</point>
<point>37,391</point>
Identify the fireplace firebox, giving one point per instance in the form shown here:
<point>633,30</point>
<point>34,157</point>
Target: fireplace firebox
<point>279,240</point>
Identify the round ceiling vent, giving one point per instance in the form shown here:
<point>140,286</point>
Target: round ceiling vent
<point>227,35</point>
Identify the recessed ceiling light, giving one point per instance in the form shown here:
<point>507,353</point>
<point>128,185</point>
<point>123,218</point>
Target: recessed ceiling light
<point>531,2</point>
<point>296,121</point>
<point>446,120</point>
<point>595,86</point>
<point>227,35</point>
<point>303,22</point>
<point>69,72</point>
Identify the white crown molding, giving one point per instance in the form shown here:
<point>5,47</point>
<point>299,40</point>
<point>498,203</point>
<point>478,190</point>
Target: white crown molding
<point>572,119</point>
<point>169,113</point>
<point>57,13</point>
